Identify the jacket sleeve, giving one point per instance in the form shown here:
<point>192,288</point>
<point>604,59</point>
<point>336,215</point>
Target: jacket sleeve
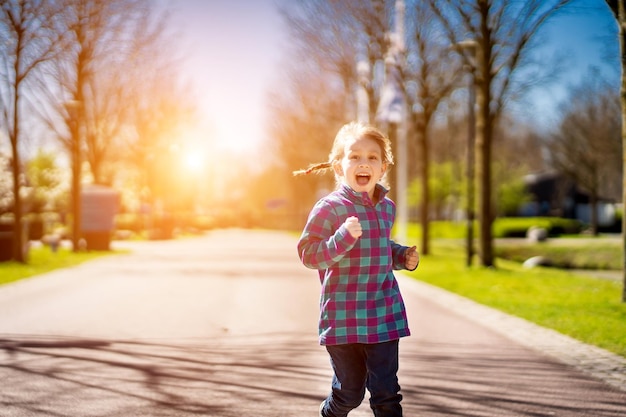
<point>324,240</point>
<point>398,251</point>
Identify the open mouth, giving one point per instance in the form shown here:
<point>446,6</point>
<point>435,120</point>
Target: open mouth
<point>363,179</point>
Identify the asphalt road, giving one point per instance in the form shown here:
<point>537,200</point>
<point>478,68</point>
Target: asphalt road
<point>226,325</point>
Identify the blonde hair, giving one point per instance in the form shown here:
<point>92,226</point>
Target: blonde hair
<point>351,131</point>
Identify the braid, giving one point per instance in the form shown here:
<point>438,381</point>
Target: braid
<point>314,167</point>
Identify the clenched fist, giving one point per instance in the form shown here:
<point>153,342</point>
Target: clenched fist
<point>353,226</point>
<point>411,258</point>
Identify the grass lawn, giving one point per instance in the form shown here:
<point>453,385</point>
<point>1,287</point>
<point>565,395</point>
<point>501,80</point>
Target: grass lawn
<point>594,253</point>
<point>42,259</point>
<point>586,308</point>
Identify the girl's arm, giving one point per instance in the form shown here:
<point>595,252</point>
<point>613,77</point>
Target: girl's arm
<point>322,243</point>
<point>404,257</point>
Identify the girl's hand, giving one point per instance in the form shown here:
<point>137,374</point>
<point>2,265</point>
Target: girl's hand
<point>353,226</point>
<point>412,258</point>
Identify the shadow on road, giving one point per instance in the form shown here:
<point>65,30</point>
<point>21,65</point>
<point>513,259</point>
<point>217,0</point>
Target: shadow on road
<point>276,375</point>
<point>223,377</point>
<point>481,379</point>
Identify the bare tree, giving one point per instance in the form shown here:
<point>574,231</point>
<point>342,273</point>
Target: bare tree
<point>619,11</point>
<point>503,32</point>
<point>333,36</point>
<point>307,116</point>
<point>29,39</point>
<point>586,145</point>
<point>93,83</point>
<point>428,78</point>
<point>328,39</point>
<point>139,57</point>
<point>158,107</point>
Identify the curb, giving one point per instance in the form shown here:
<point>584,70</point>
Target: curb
<point>591,360</point>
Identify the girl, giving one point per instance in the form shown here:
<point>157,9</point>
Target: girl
<point>347,239</point>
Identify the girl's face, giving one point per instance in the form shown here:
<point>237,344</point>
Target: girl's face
<point>362,165</point>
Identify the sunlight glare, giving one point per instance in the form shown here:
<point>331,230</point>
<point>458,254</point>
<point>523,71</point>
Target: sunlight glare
<point>194,160</point>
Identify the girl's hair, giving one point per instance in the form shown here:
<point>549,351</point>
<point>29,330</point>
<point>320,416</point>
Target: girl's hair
<point>351,131</point>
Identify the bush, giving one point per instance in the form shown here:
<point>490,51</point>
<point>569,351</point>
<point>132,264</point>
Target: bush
<point>129,221</point>
<point>518,226</point>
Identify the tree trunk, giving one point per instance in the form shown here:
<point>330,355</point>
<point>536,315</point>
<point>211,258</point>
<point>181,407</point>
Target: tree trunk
<point>18,244</point>
<point>484,133</point>
<point>621,21</point>
<point>423,140</point>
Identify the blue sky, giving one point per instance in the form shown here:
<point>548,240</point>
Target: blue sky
<point>587,37</point>
<point>238,44</point>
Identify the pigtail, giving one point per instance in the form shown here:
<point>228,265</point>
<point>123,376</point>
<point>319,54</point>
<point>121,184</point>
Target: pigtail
<point>314,167</point>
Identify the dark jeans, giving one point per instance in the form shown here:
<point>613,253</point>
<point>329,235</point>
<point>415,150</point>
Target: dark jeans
<point>360,366</point>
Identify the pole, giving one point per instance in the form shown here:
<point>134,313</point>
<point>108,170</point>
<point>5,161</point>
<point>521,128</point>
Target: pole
<point>392,111</point>
<point>402,178</point>
<point>471,61</point>
<point>471,132</point>
<point>621,21</point>
<point>362,104</point>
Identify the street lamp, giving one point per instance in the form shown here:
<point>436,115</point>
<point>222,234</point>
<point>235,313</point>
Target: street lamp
<point>362,99</point>
<point>392,110</point>
<point>471,47</point>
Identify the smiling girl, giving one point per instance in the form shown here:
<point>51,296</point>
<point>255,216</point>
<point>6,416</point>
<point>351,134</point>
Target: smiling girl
<point>347,239</point>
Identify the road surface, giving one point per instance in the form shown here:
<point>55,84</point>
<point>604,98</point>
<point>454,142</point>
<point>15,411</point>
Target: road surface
<point>225,325</point>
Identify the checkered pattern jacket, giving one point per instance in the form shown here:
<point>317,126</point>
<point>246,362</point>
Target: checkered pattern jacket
<point>360,300</point>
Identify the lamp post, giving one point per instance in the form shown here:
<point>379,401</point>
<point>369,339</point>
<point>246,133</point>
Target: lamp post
<point>392,110</point>
<point>362,99</point>
<point>471,47</point>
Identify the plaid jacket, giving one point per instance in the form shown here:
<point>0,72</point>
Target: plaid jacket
<point>360,299</point>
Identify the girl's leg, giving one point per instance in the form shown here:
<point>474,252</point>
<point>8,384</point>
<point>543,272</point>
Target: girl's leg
<point>382,380</point>
<point>348,386</point>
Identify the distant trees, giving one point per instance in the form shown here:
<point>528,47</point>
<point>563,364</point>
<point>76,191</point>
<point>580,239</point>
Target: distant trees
<point>429,75</point>
<point>618,7</point>
<point>93,72</point>
<point>586,147</point>
<point>45,182</point>
<point>503,65</point>
<point>501,60</point>
<point>317,85</point>
<point>29,38</point>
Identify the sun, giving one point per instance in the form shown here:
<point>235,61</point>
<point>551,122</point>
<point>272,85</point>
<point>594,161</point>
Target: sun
<point>194,160</point>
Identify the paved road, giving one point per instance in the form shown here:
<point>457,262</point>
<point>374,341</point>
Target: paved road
<point>225,325</point>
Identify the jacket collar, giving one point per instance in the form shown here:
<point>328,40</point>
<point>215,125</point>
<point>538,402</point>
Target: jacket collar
<point>362,198</point>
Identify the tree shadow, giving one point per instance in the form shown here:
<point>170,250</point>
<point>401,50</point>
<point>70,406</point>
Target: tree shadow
<point>483,379</point>
<point>278,375</point>
<point>226,376</point>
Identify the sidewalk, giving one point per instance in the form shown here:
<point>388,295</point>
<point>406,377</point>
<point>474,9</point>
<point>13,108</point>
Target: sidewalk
<point>591,360</point>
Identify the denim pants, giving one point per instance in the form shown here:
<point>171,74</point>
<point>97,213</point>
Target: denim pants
<point>360,366</point>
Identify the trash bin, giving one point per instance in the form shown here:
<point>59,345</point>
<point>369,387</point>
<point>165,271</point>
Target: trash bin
<point>6,241</point>
<point>99,205</point>
<point>7,237</point>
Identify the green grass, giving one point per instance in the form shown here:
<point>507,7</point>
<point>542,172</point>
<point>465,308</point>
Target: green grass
<point>599,255</point>
<point>585,308</point>
<point>502,227</point>
<point>42,259</point>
